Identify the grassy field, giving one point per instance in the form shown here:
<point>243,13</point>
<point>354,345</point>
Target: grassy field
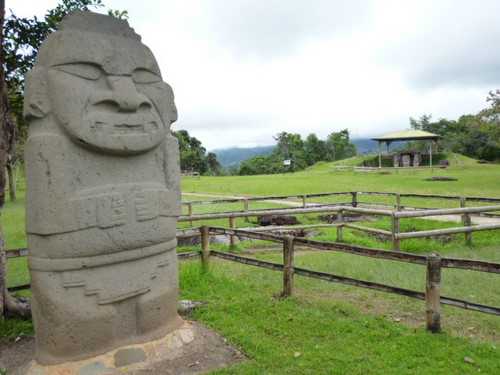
<point>328,328</point>
<point>474,180</point>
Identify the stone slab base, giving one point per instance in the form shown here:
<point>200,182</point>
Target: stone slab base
<point>192,348</point>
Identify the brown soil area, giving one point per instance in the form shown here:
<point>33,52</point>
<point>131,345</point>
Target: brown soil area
<point>207,352</point>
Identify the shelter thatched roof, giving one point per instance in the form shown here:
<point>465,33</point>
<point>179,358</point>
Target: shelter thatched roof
<point>407,135</point>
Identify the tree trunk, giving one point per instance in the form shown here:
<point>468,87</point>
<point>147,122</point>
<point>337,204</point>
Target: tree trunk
<point>12,185</point>
<point>8,304</point>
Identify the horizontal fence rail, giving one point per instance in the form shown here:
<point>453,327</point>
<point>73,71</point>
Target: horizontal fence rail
<point>471,264</point>
<point>345,193</point>
<point>355,282</point>
<point>433,262</point>
<point>395,234</point>
<point>237,214</point>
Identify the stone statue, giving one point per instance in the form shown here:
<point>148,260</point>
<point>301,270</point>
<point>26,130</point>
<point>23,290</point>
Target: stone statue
<point>103,191</point>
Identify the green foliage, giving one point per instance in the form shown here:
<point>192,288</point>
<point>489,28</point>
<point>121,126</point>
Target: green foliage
<point>476,136</point>
<point>339,147</point>
<point>301,153</point>
<point>193,155</point>
<point>314,149</point>
<point>261,164</point>
<point>12,328</point>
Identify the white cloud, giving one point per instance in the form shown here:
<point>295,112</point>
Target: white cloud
<point>243,71</point>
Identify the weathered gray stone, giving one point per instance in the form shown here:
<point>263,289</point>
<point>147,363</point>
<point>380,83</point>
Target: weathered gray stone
<point>125,357</point>
<point>187,335</point>
<point>93,368</point>
<point>103,191</point>
<point>175,343</point>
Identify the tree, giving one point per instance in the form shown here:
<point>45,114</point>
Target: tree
<point>258,164</point>
<point>7,302</point>
<point>20,41</point>
<point>290,147</point>
<point>492,113</point>
<point>338,146</point>
<point>491,118</point>
<point>314,149</point>
<point>214,166</point>
<point>423,123</point>
<point>476,136</point>
<point>193,155</point>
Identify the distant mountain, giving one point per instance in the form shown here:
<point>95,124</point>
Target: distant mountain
<point>232,157</point>
<point>365,146</point>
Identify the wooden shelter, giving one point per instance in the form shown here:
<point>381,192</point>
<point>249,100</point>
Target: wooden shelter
<point>405,135</point>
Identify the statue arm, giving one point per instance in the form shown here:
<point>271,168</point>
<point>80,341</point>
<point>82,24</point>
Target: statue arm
<point>48,185</point>
<point>170,201</point>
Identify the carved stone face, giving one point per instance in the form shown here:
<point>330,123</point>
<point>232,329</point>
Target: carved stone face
<point>106,92</point>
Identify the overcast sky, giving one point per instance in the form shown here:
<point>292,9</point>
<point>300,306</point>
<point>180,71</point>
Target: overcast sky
<point>244,70</point>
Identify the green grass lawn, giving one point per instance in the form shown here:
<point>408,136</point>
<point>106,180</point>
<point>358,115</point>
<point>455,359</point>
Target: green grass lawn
<point>324,328</point>
<point>474,180</point>
<point>328,328</point>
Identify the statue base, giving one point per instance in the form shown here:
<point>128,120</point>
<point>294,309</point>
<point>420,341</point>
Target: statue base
<point>187,349</point>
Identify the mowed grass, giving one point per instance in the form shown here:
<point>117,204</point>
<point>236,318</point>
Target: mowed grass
<point>322,329</point>
<point>328,328</point>
<point>474,180</point>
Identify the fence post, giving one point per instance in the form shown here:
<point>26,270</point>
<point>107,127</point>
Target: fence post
<point>340,220</point>
<point>354,198</point>
<point>205,247</point>
<point>304,204</point>
<point>466,219</point>
<point>288,258</point>
<point>433,293</point>
<point>232,225</point>
<point>245,208</point>
<point>398,202</point>
<point>190,212</point>
<point>395,232</point>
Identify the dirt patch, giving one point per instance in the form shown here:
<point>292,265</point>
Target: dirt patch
<point>441,179</point>
<point>14,355</point>
<point>207,352</point>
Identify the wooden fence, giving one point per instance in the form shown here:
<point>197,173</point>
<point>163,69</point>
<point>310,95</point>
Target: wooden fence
<point>394,233</point>
<point>354,194</point>
<point>433,262</point>
<point>354,205</point>
<point>355,200</point>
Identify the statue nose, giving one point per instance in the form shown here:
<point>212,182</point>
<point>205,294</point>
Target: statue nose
<point>125,94</point>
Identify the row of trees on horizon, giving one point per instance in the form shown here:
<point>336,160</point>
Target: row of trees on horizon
<point>476,136</point>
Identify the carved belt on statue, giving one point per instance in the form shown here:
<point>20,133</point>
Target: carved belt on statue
<point>109,207</point>
<point>111,277</point>
<point>108,210</point>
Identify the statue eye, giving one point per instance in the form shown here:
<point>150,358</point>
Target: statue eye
<point>145,76</point>
<point>85,71</point>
